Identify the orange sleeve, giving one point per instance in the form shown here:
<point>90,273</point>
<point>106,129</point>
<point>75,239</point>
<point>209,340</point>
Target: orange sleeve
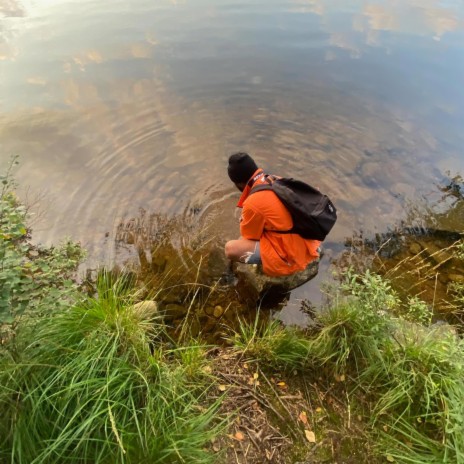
<point>251,224</point>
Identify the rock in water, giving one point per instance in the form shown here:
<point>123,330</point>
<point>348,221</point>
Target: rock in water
<point>253,285</point>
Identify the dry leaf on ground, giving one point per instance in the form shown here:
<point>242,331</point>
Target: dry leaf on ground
<point>239,436</point>
<point>303,417</point>
<point>310,436</point>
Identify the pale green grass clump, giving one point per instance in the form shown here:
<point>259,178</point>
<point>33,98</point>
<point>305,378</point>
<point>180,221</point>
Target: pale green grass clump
<point>93,384</point>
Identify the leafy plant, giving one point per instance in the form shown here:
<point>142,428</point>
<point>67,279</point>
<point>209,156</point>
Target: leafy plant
<point>34,279</point>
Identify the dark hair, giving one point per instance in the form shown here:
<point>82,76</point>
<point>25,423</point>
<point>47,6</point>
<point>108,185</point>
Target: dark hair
<point>241,168</point>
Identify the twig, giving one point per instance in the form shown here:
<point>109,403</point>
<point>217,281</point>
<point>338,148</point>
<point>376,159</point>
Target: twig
<point>250,431</point>
<point>276,394</point>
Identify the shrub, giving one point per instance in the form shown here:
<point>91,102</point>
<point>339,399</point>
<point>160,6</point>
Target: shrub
<point>32,279</point>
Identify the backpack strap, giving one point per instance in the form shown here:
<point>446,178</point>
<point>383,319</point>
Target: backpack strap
<point>269,179</point>
<point>260,188</point>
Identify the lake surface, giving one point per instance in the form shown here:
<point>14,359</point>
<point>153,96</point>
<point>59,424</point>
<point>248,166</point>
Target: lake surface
<point>114,106</point>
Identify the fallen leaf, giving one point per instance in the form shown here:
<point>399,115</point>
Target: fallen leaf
<point>255,375</point>
<point>318,409</point>
<point>282,384</point>
<point>385,428</point>
<point>390,458</point>
<point>342,378</point>
<point>303,417</point>
<point>216,448</point>
<point>310,436</point>
<point>239,436</point>
<point>222,388</point>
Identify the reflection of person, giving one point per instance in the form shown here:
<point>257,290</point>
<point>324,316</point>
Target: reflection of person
<point>263,214</point>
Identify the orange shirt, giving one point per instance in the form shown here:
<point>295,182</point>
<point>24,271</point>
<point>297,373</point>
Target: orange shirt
<point>263,212</point>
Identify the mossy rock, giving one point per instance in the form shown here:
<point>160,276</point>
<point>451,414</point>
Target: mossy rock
<point>253,285</point>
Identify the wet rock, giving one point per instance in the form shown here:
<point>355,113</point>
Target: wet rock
<point>456,278</point>
<point>158,262</point>
<point>402,189</point>
<point>231,315</point>
<point>218,311</point>
<point>415,248</point>
<point>443,278</point>
<point>438,255</point>
<point>208,310</point>
<point>174,311</point>
<point>217,263</point>
<point>130,238</point>
<point>253,285</point>
<point>372,173</point>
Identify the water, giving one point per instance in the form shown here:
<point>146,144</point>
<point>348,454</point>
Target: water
<point>114,106</point>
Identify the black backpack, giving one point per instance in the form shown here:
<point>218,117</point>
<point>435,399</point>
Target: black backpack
<point>313,214</point>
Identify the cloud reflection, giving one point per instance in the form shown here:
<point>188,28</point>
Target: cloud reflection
<point>432,18</point>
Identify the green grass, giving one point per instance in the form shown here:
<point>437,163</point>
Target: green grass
<point>421,399</point>
<point>410,374</point>
<point>94,384</point>
<point>269,341</point>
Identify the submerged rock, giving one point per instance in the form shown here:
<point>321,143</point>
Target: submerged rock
<point>218,311</point>
<point>415,248</point>
<point>457,278</point>
<point>174,311</point>
<point>253,285</point>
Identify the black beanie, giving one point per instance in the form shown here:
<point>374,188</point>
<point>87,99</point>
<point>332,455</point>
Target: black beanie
<point>241,168</point>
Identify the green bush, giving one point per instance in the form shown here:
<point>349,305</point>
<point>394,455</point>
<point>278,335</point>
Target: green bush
<point>32,279</point>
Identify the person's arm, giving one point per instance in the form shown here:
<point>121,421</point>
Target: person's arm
<point>251,224</point>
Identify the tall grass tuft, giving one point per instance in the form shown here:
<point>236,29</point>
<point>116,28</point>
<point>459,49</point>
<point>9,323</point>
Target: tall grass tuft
<point>271,342</point>
<point>94,384</point>
<point>421,399</point>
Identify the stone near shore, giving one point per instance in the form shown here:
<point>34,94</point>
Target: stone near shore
<point>457,278</point>
<point>253,285</point>
<point>415,248</point>
<point>174,311</point>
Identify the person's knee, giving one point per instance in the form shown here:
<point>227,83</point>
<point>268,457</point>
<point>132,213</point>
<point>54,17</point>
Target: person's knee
<point>230,250</point>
